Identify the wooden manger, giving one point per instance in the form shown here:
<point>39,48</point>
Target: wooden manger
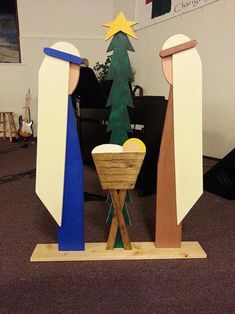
<point>118,170</point>
<point>118,173</point>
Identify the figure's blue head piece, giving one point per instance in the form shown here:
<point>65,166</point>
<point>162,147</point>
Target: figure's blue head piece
<point>63,55</point>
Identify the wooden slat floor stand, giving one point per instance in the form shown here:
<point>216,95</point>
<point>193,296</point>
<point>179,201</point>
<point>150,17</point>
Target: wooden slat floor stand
<point>7,125</point>
<point>97,252</point>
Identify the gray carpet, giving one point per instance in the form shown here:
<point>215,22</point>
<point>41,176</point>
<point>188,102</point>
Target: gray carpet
<point>160,286</point>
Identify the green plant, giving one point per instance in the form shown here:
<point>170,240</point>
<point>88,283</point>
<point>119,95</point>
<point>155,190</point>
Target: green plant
<point>101,69</point>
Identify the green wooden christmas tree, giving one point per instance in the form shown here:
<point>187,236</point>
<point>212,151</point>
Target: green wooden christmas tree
<point>120,73</point>
<point>120,95</point>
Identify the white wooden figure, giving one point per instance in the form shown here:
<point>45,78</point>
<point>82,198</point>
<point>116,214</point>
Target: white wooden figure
<point>59,177</point>
<point>181,148</point>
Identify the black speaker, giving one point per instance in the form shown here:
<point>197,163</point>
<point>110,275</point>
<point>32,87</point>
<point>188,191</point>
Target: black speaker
<point>220,179</point>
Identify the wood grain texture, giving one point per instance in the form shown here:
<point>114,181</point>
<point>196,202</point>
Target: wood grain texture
<point>120,185</point>
<point>3,124</point>
<point>98,252</point>
<point>178,48</point>
<point>168,234</point>
<point>118,170</point>
<point>7,125</point>
<point>119,156</point>
<point>118,221</point>
<point>118,164</point>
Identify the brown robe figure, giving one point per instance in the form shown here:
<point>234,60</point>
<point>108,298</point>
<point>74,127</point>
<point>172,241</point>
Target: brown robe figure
<point>168,227</point>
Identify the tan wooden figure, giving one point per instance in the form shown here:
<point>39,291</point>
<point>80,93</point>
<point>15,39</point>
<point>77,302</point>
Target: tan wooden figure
<point>118,168</point>
<point>179,181</point>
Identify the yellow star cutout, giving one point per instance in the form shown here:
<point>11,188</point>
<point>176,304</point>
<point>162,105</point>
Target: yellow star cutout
<point>120,24</point>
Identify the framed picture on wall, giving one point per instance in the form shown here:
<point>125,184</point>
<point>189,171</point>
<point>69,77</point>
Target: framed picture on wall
<point>149,12</point>
<point>9,32</point>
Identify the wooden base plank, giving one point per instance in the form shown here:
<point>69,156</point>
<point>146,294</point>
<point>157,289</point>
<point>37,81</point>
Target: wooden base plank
<point>97,252</point>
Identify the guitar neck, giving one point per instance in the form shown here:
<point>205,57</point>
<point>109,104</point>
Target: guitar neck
<point>26,116</point>
<point>27,110</point>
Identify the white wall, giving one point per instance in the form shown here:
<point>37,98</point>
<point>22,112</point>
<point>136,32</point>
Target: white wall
<point>213,26</point>
<point>126,6</point>
<point>41,24</point>
<point>44,22</point>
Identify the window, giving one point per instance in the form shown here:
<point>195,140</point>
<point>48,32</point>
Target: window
<point>9,32</point>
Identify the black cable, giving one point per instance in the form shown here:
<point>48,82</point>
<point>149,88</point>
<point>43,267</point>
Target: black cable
<point>14,177</point>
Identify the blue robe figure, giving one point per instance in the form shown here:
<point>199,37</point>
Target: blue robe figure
<point>71,231</point>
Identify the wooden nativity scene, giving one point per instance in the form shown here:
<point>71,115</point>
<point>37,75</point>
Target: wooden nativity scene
<point>59,172</point>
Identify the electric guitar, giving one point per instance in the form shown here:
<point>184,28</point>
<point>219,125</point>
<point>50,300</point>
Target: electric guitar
<point>26,124</point>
